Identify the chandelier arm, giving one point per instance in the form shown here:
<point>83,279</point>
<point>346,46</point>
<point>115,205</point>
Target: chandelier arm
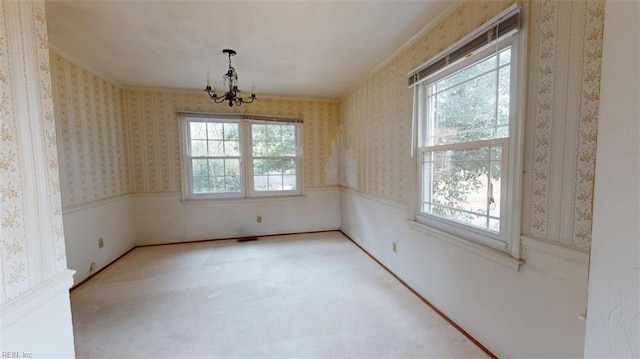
<point>253,98</point>
<point>214,96</point>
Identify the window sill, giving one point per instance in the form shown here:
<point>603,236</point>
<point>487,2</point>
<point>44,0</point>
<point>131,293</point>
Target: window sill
<point>491,254</point>
<point>232,200</point>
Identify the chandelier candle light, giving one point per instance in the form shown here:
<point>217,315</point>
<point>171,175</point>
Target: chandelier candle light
<point>230,79</point>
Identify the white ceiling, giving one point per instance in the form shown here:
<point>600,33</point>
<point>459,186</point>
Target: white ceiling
<point>293,48</point>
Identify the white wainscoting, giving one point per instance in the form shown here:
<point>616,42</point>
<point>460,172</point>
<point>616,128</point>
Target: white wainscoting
<point>534,312</point>
<point>37,324</point>
<point>165,218</point>
<point>110,219</point>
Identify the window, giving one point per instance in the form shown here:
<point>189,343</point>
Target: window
<point>226,156</point>
<point>468,153</point>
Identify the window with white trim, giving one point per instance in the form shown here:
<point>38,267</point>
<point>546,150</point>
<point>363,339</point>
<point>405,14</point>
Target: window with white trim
<point>228,156</point>
<point>467,139</point>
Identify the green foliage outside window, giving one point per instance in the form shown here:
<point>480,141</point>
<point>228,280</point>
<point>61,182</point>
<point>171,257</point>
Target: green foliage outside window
<point>470,105</point>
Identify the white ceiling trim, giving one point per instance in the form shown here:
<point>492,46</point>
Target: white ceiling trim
<point>428,27</point>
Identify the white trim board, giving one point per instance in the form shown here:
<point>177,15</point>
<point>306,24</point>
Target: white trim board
<point>30,300</point>
<point>483,251</point>
<point>556,249</point>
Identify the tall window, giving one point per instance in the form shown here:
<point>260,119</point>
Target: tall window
<point>214,149</point>
<point>235,157</point>
<point>274,156</point>
<point>467,149</point>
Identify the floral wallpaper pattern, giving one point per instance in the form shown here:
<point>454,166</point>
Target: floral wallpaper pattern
<point>565,51</point>
<point>564,57</point>
<point>375,118</point>
<point>32,240</point>
<point>115,141</point>
<point>152,116</point>
<point>93,135</point>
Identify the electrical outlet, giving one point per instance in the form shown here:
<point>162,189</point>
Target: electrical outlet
<point>395,247</point>
<point>259,219</point>
<point>92,267</point>
<point>100,242</point>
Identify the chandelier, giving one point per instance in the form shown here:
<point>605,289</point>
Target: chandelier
<point>230,80</point>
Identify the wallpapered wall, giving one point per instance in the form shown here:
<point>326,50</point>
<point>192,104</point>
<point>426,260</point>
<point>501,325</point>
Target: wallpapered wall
<point>92,133</point>
<point>32,240</point>
<point>154,130</point>
<point>97,120</point>
<point>565,39</point>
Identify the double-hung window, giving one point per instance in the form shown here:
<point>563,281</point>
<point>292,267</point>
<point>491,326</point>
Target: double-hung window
<point>238,156</point>
<point>467,134</point>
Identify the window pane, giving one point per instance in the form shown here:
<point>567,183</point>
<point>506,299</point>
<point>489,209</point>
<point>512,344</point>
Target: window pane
<point>261,167</point>
<point>503,95</point>
<point>274,133</point>
<point>288,148</point>
<point>260,183</point>
<point>505,56</point>
<point>274,140</point>
<point>198,148</point>
<point>232,184</point>
<point>289,182</point>
<point>260,149</point>
<point>200,168</point>
<point>217,184</point>
<point>232,167</point>
<point>288,166</point>
<point>259,132</point>
<point>198,130</point>
<point>216,167</point>
<point>471,104</point>
<point>231,132</point>
<point>457,185</point>
<point>496,182</point>
<point>200,184</point>
<point>289,133</point>
<point>214,131</point>
<point>232,148</point>
<point>274,174</point>
<point>275,182</point>
<point>215,148</point>
<point>467,73</point>
<point>494,225</point>
<point>465,112</point>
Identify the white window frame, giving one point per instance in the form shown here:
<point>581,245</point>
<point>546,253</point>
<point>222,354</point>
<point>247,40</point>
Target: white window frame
<point>508,240</point>
<point>298,159</point>
<point>246,159</point>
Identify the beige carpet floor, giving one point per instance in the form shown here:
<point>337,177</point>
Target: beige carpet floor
<point>312,296</point>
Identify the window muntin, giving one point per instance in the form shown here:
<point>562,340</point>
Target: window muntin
<point>466,115</point>
<point>240,158</point>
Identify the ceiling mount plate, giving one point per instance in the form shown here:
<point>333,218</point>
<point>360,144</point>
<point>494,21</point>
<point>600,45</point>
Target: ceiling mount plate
<point>229,52</point>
